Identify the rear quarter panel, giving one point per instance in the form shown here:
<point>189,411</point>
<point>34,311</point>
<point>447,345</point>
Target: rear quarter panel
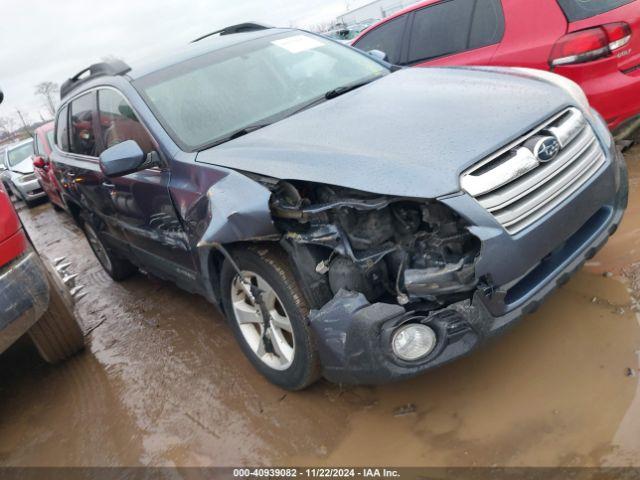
<point>532,29</point>
<point>9,222</point>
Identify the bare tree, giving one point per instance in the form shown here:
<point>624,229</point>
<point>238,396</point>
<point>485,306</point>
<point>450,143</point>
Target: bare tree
<point>49,91</point>
<point>321,27</point>
<point>7,126</point>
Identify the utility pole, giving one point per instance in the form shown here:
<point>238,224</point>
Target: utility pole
<point>24,123</point>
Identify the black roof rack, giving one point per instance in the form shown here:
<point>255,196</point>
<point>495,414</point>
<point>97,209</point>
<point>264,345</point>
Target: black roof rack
<point>239,28</point>
<point>115,67</point>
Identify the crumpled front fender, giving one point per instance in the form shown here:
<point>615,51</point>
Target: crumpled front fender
<point>236,209</point>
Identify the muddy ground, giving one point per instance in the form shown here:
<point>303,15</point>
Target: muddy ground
<point>164,383</point>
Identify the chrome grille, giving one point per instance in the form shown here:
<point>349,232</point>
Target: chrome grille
<point>518,189</point>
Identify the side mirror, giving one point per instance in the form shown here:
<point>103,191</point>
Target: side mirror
<point>39,162</point>
<point>379,55</point>
<point>122,159</point>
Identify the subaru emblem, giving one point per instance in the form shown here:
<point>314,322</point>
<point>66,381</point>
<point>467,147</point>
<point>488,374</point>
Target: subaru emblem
<point>546,149</point>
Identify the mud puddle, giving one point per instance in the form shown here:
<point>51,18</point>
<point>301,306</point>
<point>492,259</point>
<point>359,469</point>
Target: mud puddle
<point>163,383</point>
<point>553,391</point>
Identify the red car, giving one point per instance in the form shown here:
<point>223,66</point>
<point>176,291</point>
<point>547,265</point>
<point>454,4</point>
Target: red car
<point>34,296</point>
<point>43,168</point>
<point>596,43</point>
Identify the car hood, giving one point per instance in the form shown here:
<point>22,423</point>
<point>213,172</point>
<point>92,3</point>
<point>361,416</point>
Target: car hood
<point>409,134</point>
<point>24,167</point>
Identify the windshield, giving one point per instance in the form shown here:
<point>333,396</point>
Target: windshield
<point>205,100</point>
<point>18,154</point>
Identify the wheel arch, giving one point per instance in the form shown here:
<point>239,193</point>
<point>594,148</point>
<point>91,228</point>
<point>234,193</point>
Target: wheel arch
<point>75,209</point>
<point>234,212</point>
<point>217,254</point>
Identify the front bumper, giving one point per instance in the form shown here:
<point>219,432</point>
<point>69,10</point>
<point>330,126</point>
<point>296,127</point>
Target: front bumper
<point>24,297</point>
<point>354,336</point>
<point>30,190</point>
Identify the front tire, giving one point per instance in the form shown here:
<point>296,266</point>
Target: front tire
<point>57,335</point>
<point>118,268</point>
<point>292,361</point>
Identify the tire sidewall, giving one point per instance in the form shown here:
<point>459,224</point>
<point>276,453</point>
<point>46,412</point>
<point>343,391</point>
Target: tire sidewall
<point>87,225</point>
<point>296,376</point>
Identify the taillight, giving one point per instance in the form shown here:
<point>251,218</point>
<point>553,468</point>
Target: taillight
<point>591,44</point>
<point>619,34</point>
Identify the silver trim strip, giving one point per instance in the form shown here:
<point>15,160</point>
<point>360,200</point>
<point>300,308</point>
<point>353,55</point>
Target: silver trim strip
<point>522,162</point>
<point>569,128</point>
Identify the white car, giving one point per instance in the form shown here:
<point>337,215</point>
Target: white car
<point>19,174</point>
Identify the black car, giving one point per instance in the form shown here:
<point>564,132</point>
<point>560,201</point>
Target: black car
<point>352,219</point>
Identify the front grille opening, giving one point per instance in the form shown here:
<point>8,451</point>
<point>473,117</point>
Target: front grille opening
<point>487,167</point>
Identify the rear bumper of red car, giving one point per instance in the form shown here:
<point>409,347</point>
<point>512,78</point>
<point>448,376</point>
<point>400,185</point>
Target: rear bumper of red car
<point>24,296</point>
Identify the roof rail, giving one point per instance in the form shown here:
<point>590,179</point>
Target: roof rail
<point>239,28</point>
<point>115,67</point>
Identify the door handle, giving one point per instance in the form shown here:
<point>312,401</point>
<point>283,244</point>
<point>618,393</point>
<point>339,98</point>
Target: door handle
<point>108,185</point>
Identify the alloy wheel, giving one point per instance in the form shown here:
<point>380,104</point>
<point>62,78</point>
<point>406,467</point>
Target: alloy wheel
<point>249,318</point>
<point>98,247</point>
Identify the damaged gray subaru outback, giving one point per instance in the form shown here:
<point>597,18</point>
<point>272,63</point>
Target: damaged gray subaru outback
<point>352,219</point>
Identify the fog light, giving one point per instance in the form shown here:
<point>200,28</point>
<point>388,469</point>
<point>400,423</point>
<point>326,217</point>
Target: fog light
<point>413,341</point>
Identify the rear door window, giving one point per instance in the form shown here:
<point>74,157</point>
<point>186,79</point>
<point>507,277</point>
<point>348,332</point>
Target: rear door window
<point>83,141</point>
<point>387,38</point>
<point>62,130</point>
<point>487,26</point>
<point>580,9</point>
<point>454,26</point>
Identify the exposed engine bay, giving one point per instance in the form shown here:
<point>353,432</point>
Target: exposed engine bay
<point>384,247</point>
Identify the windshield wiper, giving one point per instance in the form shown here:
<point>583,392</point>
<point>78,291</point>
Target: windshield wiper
<point>336,92</point>
<point>240,132</point>
<point>248,129</point>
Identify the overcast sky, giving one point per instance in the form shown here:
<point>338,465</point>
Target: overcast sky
<point>46,40</point>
